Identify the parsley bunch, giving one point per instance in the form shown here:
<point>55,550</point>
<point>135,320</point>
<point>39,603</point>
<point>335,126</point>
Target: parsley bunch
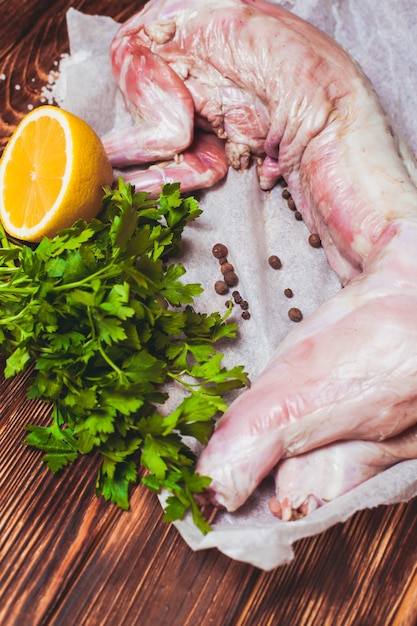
<point>102,313</point>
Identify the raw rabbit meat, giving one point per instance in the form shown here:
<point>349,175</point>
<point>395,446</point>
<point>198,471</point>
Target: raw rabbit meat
<point>309,480</point>
<point>272,88</point>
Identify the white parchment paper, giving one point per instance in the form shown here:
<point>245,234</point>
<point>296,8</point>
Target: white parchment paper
<point>254,225</point>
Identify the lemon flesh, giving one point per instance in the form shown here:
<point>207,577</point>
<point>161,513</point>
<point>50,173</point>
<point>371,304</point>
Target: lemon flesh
<point>52,173</point>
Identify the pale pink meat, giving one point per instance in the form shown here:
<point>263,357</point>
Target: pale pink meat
<point>307,481</point>
<point>347,371</point>
<point>199,166</point>
<point>275,89</point>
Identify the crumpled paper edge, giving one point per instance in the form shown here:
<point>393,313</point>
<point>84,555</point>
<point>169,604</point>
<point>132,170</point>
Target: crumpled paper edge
<point>264,545</point>
<point>269,546</point>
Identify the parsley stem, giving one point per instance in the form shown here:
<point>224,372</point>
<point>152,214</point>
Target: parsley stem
<point>12,285</point>
<point>13,318</point>
<point>101,350</point>
<point>8,269</point>
<point>109,271</point>
<point>181,381</point>
<point>91,321</point>
<point>111,363</point>
<point>6,246</point>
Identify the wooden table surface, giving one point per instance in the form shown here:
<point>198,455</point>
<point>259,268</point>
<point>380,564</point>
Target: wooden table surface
<point>69,558</point>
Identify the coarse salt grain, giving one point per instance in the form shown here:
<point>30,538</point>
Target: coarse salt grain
<point>48,94</point>
<point>51,92</point>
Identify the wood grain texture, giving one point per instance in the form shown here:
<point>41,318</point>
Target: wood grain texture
<point>69,558</point>
<point>32,42</point>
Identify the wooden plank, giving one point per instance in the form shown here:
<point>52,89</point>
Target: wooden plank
<point>31,46</point>
<point>13,30</point>
<point>353,574</point>
<point>69,556</point>
<point>406,614</point>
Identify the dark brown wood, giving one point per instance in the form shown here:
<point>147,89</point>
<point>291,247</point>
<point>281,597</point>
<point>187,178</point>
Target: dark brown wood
<point>68,558</point>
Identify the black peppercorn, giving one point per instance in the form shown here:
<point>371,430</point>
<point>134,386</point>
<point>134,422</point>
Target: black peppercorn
<point>219,250</point>
<point>291,204</point>
<point>221,287</point>
<point>226,267</point>
<point>275,262</point>
<point>295,315</point>
<point>231,279</point>
<point>314,241</point>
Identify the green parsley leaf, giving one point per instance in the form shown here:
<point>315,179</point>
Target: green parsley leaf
<point>59,445</point>
<point>113,481</point>
<point>104,313</point>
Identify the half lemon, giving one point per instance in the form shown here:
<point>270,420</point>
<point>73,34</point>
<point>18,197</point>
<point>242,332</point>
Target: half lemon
<point>52,173</point>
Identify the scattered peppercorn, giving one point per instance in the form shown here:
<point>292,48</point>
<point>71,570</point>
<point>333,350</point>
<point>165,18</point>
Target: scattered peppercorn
<point>231,279</point>
<point>291,204</point>
<point>295,315</point>
<point>221,287</point>
<point>219,250</point>
<point>275,262</point>
<point>298,216</point>
<point>288,293</point>
<point>226,267</point>
<point>314,241</point>
<point>286,193</point>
